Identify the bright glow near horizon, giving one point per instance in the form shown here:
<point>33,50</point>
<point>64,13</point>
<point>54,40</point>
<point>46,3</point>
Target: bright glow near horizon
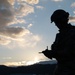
<point>36,60</point>
<point>26,63</point>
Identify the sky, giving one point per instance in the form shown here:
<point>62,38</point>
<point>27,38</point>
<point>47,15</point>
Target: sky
<point>26,29</point>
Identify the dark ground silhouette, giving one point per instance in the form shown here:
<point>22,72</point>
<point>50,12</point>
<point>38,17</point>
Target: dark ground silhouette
<point>32,69</point>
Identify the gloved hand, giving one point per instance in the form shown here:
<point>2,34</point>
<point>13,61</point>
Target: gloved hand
<point>47,53</point>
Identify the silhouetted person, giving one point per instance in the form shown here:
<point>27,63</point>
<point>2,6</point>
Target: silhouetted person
<point>63,48</point>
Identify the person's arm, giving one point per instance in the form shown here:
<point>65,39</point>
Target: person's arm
<point>53,52</point>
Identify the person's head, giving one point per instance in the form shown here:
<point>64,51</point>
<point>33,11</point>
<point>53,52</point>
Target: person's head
<point>60,17</point>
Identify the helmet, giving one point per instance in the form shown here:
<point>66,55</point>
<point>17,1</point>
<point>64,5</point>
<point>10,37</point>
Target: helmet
<point>58,14</point>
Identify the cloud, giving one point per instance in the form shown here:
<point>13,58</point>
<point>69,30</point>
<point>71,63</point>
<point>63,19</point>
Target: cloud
<point>6,13</point>
<point>40,7</point>
<point>13,12</point>
<point>4,41</point>
<point>30,25</point>
<point>24,10</point>
<point>14,63</point>
<point>73,4</point>
<point>13,32</point>
<point>9,34</point>
<point>29,40</point>
<point>32,1</point>
<point>17,21</point>
<point>72,19</point>
<point>21,36</point>
<point>11,2</point>
<point>22,1</point>
<point>57,0</point>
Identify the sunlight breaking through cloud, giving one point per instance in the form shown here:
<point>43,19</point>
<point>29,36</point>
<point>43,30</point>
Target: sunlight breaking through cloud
<point>12,12</point>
